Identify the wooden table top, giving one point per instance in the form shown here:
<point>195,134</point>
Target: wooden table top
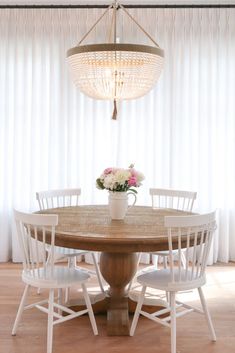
<point>91,228</point>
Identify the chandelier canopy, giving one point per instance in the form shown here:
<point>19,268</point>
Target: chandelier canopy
<point>114,70</point>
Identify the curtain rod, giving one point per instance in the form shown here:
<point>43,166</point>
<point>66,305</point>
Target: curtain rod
<point>129,6</point>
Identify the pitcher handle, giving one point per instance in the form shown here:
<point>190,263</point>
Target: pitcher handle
<point>135,198</point>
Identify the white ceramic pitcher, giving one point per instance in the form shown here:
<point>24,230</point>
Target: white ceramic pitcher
<point>118,203</point>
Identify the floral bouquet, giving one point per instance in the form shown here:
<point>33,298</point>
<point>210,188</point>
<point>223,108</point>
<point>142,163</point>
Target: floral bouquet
<point>120,179</point>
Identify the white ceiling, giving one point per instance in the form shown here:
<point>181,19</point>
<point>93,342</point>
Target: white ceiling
<point>95,2</point>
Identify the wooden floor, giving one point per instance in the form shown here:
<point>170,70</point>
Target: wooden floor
<point>75,336</point>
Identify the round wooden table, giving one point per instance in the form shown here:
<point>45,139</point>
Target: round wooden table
<point>91,228</point>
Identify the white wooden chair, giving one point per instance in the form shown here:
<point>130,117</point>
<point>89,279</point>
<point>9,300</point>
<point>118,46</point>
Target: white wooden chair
<point>194,233</point>
<point>174,199</point>
<point>44,274</point>
<point>63,198</point>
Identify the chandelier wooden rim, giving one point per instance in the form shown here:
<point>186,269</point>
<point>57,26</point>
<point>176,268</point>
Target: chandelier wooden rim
<point>113,47</point>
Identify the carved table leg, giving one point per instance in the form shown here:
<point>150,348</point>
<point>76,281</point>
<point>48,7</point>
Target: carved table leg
<point>118,269</point>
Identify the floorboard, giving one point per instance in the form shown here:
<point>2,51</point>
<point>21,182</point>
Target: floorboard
<point>75,336</point>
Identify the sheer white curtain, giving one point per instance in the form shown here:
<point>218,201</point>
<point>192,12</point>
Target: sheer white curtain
<point>181,135</point>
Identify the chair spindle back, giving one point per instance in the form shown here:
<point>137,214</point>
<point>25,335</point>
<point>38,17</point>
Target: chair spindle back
<point>175,199</point>
<point>58,198</point>
<point>34,232</point>
<point>193,234</point>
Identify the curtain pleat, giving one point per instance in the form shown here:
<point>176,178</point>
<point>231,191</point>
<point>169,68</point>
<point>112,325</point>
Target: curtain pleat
<point>180,135</point>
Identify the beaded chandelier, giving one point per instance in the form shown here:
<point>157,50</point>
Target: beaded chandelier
<point>115,71</point>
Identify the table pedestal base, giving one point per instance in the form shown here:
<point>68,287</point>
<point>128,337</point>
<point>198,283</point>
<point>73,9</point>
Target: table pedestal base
<point>117,317</point>
<point>118,269</point>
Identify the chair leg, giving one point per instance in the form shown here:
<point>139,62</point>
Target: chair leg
<point>183,259</point>
<point>97,270</point>
<point>165,262</point>
<point>167,297</point>
<point>20,310</point>
<point>47,261</point>
<point>71,264</point>
<point>164,258</point>
<point>60,300</point>
<point>50,321</point>
<point>66,296</point>
<point>207,314</point>
<point>173,322</point>
<point>137,311</point>
<point>90,310</point>
<point>155,261</point>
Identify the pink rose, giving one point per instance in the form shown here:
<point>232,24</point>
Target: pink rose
<point>132,181</point>
<point>108,171</point>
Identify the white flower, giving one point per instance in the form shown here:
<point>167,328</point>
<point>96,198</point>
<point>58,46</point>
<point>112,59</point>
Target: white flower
<point>121,176</point>
<point>109,181</point>
<point>119,179</point>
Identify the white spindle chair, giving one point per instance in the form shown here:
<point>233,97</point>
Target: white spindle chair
<point>194,234</point>
<point>173,199</point>
<point>63,198</point>
<point>38,272</point>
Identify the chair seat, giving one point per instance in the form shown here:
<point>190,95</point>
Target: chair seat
<point>161,279</point>
<point>60,277</point>
<point>164,253</point>
<point>67,252</point>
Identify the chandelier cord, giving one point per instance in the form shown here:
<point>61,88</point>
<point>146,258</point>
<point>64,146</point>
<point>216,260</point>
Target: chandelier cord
<point>142,29</point>
<point>115,23</point>
<point>116,6</point>
<point>94,25</point>
<point>111,29</point>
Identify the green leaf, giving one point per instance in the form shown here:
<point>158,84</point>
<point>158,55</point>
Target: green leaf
<point>100,184</point>
<point>133,190</point>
